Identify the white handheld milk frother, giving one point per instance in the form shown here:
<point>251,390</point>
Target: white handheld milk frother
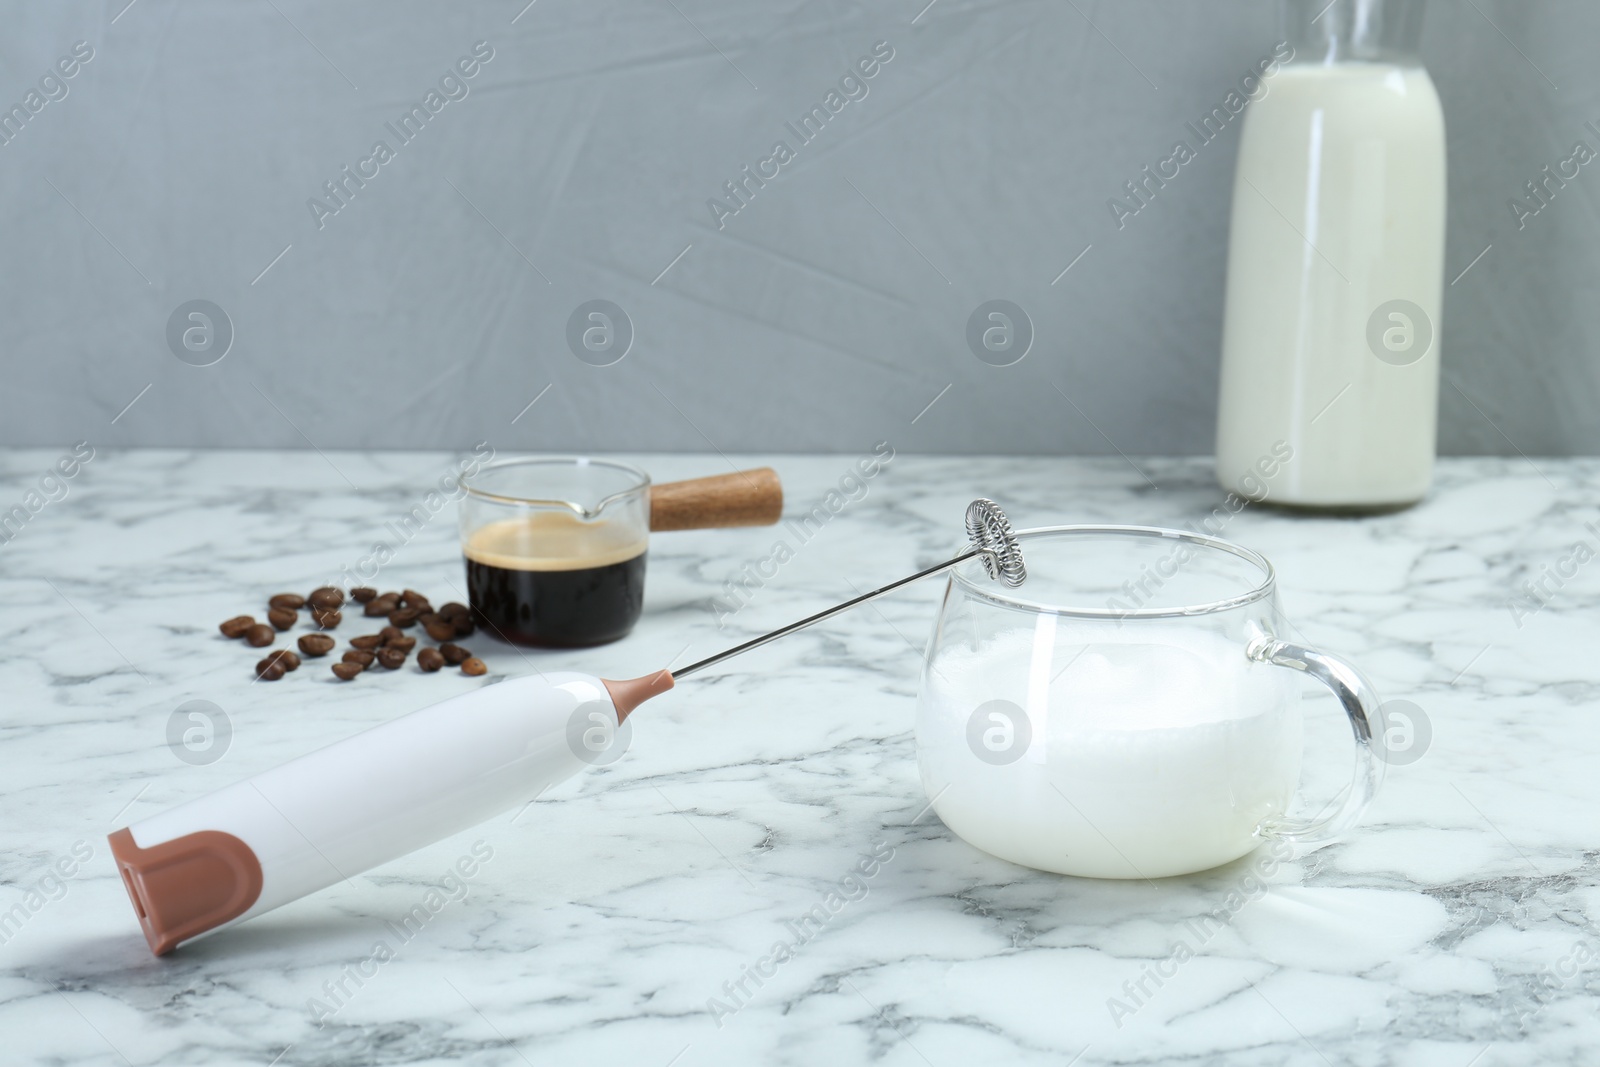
<point>324,817</point>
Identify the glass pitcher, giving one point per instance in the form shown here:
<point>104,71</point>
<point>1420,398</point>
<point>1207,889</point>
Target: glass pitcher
<point>554,549</point>
<point>1122,714</point>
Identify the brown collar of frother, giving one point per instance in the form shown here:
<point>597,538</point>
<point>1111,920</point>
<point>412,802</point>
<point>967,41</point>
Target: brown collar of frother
<point>629,694</point>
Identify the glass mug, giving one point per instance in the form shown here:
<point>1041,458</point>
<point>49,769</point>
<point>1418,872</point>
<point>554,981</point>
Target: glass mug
<point>555,549</point>
<point>1122,714</point>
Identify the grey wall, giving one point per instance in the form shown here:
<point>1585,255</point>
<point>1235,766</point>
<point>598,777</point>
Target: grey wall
<point>827,314</point>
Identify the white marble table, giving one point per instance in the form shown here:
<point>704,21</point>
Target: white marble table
<point>1457,927</point>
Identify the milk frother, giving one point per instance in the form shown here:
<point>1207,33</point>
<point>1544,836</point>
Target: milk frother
<point>327,816</point>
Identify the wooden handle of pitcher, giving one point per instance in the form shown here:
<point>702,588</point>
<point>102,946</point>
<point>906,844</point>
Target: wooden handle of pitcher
<point>743,498</point>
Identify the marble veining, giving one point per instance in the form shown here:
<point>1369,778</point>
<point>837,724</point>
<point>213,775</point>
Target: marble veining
<point>620,917</point>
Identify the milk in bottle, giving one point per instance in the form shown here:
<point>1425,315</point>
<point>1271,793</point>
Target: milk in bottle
<point>1335,264</point>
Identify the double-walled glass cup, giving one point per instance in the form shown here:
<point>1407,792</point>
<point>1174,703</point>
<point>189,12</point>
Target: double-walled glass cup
<point>555,548</point>
<point>1123,713</point>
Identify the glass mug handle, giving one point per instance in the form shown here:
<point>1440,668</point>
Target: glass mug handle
<point>1360,704</point>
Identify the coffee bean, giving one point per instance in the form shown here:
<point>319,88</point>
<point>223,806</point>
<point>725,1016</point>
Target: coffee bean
<point>283,657</point>
<point>474,666</point>
<point>363,658</point>
<point>404,644</point>
<point>389,633</point>
<point>413,599</point>
<point>465,627</point>
<point>363,593</point>
<point>454,654</point>
<point>452,609</point>
<point>380,606</point>
<point>326,597</point>
<point>440,629</point>
<point>391,658</point>
<point>282,618</point>
<point>270,669</point>
<point>326,618</point>
<point>316,644</point>
<point>430,660</point>
<point>367,642</point>
<point>236,626</point>
<point>347,671</point>
<point>292,601</point>
<point>405,618</point>
<point>260,635</point>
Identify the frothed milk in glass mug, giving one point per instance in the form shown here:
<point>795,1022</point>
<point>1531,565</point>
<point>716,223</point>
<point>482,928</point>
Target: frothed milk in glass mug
<point>1126,713</point>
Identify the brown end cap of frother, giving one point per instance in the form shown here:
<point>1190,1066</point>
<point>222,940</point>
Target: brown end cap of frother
<point>629,694</point>
<point>184,887</point>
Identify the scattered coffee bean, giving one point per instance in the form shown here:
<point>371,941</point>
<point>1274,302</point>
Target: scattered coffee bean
<point>283,658</point>
<point>290,661</point>
<point>379,606</point>
<point>316,644</point>
<point>237,626</point>
<point>389,647</point>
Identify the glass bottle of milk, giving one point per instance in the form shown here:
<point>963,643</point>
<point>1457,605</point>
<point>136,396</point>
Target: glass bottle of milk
<point>1330,343</point>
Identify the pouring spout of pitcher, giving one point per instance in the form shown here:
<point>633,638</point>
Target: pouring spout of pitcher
<point>632,692</point>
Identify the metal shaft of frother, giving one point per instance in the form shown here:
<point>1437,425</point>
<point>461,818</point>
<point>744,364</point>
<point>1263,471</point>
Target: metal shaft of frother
<point>991,537</point>
<point>819,616</point>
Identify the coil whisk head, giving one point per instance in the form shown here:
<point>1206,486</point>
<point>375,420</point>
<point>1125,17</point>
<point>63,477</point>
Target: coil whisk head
<point>990,533</point>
